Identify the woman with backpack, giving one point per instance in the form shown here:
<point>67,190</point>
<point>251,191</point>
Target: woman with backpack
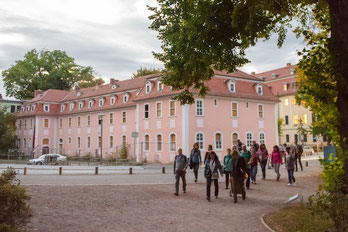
<point>228,166</point>
<point>211,173</point>
<point>195,160</point>
<point>276,160</point>
<point>290,164</point>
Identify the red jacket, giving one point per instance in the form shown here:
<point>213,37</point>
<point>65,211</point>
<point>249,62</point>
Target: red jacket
<point>254,160</point>
<point>276,158</point>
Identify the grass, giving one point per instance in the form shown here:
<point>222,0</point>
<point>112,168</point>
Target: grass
<point>297,219</point>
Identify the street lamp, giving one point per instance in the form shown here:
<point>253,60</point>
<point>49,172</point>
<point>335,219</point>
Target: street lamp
<point>101,136</point>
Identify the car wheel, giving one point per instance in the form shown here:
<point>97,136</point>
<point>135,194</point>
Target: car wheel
<point>39,163</point>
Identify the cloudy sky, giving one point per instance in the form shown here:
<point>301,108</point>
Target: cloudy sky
<point>112,36</point>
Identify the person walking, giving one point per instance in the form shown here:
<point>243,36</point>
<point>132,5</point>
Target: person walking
<point>298,157</point>
<point>207,154</point>
<point>239,145</point>
<point>256,146</point>
<point>276,160</point>
<point>290,166</point>
<point>228,166</point>
<point>195,160</point>
<point>296,147</point>
<point>211,173</point>
<point>247,157</point>
<point>238,176</point>
<point>253,165</point>
<point>263,156</point>
<point>180,166</point>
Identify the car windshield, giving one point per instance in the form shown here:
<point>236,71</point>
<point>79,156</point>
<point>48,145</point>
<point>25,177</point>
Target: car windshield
<point>42,157</point>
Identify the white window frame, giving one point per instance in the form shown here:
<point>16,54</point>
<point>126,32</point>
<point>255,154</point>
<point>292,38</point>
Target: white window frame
<point>111,113</point>
<point>264,137</point>
<point>80,105</point>
<point>145,142</point>
<point>232,109</point>
<point>62,108</point>
<point>293,84</point>
<point>238,137</point>
<point>283,84</point>
<point>78,121</point>
<point>69,140</point>
<point>88,146</point>
<point>123,135</point>
<point>170,142</point>
<point>160,86</point>
<point>101,102</point>
<point>112,100</point>
<point>203,138</point>
<point>157,142</point>
<point>148,88</point>
<point>215,142</point>
<point>232,83</point>
<point>78,142</point>
<point>160,102</point>
<point>44,108</point>
<point>196,107</point>
<point>258,111</point>
<point>90,104</point>
<point>215,102</point>
<point>246,139</point>
<point>71,106</point>
<point>48,123</point>
<point>259,87</point>
<point>125,98</point>
<point>28,108</point>
<point>169,113</point>
<point>148,111</point>
<point>111,140</point>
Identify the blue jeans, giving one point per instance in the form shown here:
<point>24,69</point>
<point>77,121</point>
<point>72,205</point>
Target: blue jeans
<point>253,172</point>
<point>291,176</point>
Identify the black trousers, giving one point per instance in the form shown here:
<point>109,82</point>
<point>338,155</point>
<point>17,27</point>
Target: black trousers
<point>195,170</point>
<point>178,175</point>
<point>216,184</point>
<point>263,168</point>
<point>298,158</point>
<point>248,171</point>
<point>227,175</point>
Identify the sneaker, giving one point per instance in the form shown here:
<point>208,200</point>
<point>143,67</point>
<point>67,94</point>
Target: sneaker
<point>176,194</point>
<point>195,180</point>
<point>226,188</point>
<point>294,184</point>
<point>289,184</point>
<point>216,197</point>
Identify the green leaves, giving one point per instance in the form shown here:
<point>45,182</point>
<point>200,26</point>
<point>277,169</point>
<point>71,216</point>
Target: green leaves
<point>145,71</point>
<point>44,70</point>
<point>7,130</point>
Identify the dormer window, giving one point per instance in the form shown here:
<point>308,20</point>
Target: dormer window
<point>101,102</point>
<point>80,105</point>
<point>112,100</point>
<point>62,108</point>
<point>160,86</point>
<point>125,98</point>
<point>28,108</point>
<point>23,109</point>
<point>46,107</point>
<point>148,87</point>
<point>232,86</point>
<point>71,107</point>
<point>90,103</point>
<point>113,86</point>
<point>292,71</point>
<point>32,108</point>
<point>275,75</point>
<point>259,89</point>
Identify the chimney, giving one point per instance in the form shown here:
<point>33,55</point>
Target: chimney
<point>0,96</point>
<point>253,73</point>
<point>38,92</point>
<point>288,64</point>
<point>112,80</point>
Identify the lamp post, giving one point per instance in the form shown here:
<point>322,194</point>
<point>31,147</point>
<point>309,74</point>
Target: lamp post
<point>101,136</point>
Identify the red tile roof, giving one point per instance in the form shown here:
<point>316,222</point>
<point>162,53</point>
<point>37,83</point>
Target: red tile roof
<point>280,72</point>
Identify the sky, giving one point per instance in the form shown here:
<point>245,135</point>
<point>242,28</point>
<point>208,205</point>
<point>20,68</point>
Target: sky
<point>112,36</point>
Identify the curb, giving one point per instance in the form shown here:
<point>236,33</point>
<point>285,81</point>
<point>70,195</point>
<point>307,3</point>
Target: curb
<point>264,223</point>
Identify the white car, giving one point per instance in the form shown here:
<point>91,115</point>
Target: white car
<point>308,150</point>
<point>48,158</point>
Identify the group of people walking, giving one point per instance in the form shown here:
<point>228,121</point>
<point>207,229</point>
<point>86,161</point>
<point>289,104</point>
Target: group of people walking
<point>239,165</point>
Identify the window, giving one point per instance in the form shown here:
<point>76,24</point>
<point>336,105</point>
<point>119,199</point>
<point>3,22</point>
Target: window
<point>124,117</point>
<point>125,98</point>
<point>61,123</point>
<point>235,137</point>
<point>158,109</point>
<point>159,142</point>
<point>101,102</point>
<point>78,142</point>
<point>260,111</point>
<point>215,102</point>
<point>218,141</point>
<point>172,141</point>
<point>296,138</point>
<point>247,105</point>
<point>199,107</point>
<point>80,105</point>
<point>111,142</point>
<point>24,143</point>
<point>249,139</point>
<point>88,142</point>
<point>287,138</point>
<point>78,121</point>
<point>304,118</point>
<point>20,124</point>
<point>259,89</point>
<point>111,118</point>
<point>147,142</point>
<point>172,109</point>
<point>31,123</point>
<point>25,124</point>
<point>69,122</point>
<point>146,111</point>
<point>19,143</point>
<point>46,108</point>
<point>124,141</point>
<point>294,101</point>
<point>305,138</point>
<point>90,104</point>
<point>62,108</point>
<point>46,141</point>
<point>100,142</point>
<point>69,140</point>
<point>234,110</point>
<point>286,102</point>
<point>293,85</point>
<point>46,123</point>
<point>71,107</point>
<point>13,108</point>
<point>88,120</point>
<point>262,138</point>
<point>285,86</point>
<point>160,86</point>
<point>32,108</point>
<point>112,100</point>
<point>232,86</point>
<point>200,140</point>
<point>294,120</point>
<point>148,88</point>
<point>286,120</point>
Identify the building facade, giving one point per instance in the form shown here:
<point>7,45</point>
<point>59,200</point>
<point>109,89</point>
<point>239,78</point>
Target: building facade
<point>12,106</point>
<point>282,83</point>
<point>141,115</point>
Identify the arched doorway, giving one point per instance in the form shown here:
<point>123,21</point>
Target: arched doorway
<point>45,147</point>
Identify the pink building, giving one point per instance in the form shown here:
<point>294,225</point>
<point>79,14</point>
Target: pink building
<point>101,119</point>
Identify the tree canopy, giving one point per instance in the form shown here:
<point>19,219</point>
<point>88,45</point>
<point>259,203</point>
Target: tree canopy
<point>145,71</point>
<point>42,70</point>
<point>7,130</point>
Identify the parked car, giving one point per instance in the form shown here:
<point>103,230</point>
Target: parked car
<point>48,159</point>
<point>308,150</point>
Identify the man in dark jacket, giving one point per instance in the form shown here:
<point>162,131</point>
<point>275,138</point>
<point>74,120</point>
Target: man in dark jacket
<point>238,175</point>
<point>180,166</point>
<point>195,160</point>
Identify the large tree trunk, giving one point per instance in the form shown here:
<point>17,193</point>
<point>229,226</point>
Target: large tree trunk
<point>338,46</point>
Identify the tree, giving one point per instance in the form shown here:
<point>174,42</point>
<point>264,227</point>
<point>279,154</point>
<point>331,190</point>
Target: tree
<point>145,71</point>
<point>93,82</point>
<point>7,130</point>
<point>280,126</point>
<point>44,70</point>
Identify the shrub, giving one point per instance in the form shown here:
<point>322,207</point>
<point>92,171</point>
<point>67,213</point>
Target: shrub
<point>14,205</point>
<point>124,152</point>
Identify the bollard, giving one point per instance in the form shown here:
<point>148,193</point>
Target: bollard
<point>60,170</point>
<point>130,170</point>
<point>96,170</point>
<point>306,163</point>
<point>163,170</point>
<point>25,171</point>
